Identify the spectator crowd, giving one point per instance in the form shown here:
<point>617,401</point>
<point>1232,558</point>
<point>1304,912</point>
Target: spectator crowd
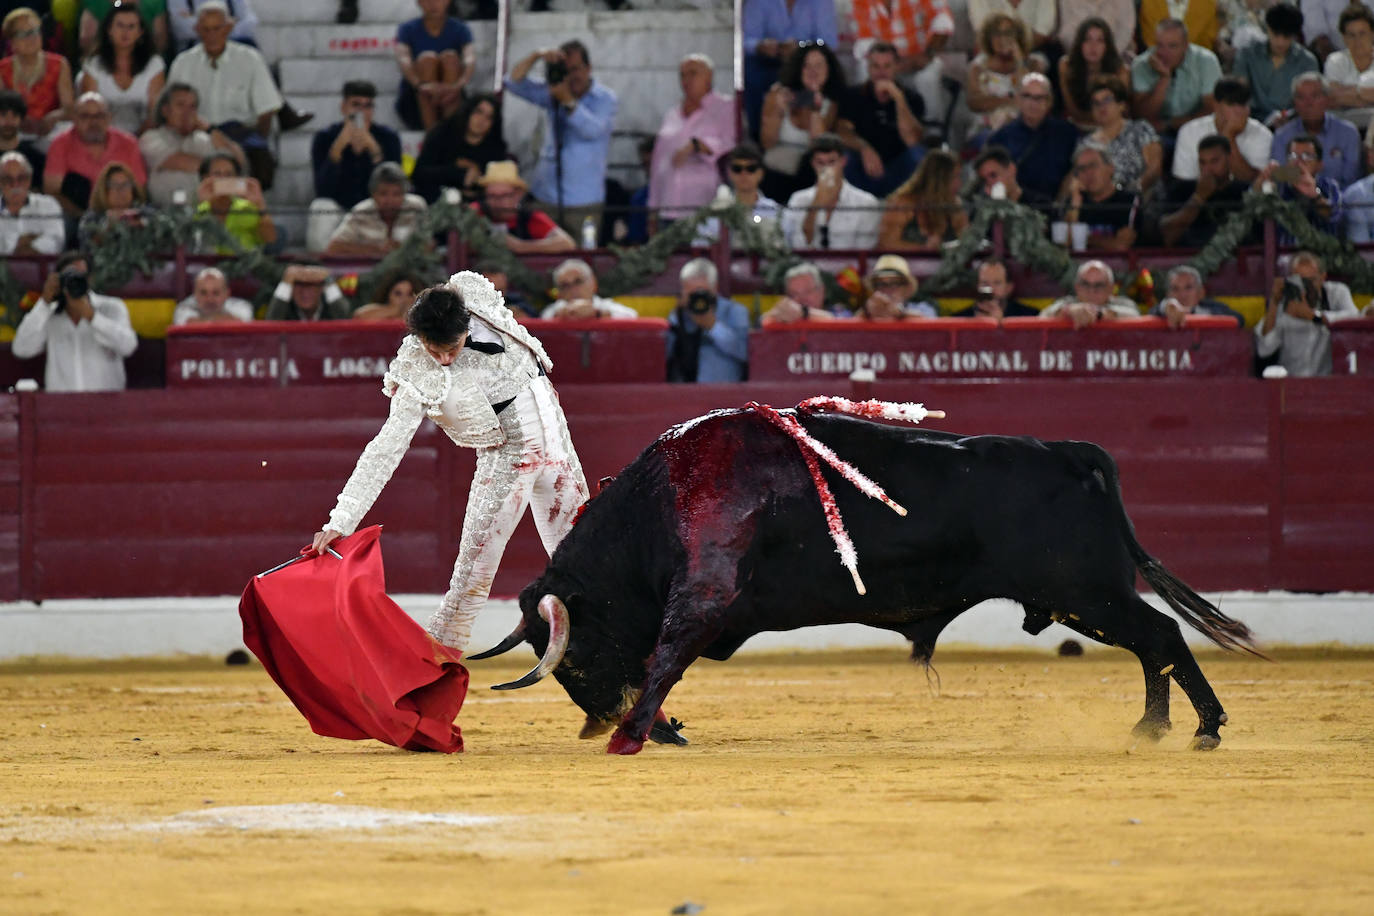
<point>1127,123</point>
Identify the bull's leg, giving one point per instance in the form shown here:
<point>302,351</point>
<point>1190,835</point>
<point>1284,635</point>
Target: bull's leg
<point>686,632</point>
<point>924,632</point>
<point>1156,640</point>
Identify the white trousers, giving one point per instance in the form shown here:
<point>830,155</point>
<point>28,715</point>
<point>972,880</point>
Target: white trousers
<point>536,466</point>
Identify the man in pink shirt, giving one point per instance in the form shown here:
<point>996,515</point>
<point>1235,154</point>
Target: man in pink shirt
<point>695,134</point>
<point>77,156</point>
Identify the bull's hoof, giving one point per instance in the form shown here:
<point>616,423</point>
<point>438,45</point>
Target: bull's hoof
<point>1202,742</point>
<point>622,743</point>
<point>1152,729</point>
<point>668,732</point>
<point>593,728</point>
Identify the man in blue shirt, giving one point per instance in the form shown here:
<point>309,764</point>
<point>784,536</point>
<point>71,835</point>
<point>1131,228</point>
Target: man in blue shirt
<point>1041,146</point>
<point>1358,202</point>
<point>569,180</point>
<point>1339,138</point>
<point>708,335</point>
<point>1317,196</point>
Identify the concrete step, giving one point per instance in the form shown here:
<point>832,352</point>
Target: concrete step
<point>315,75</point>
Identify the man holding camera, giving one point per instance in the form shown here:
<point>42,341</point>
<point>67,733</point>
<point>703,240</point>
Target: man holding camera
<point>569,180</point>
<point>994,295</point>
<point>708,335</point>
<point>87,336</point>
<point>1296,329</point>
<point>343,156</point>
<point>1301,181</point>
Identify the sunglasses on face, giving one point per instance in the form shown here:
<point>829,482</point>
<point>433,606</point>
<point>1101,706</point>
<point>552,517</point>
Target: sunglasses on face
<point>739,168</point>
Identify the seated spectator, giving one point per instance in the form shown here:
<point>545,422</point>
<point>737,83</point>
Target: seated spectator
<point>210,301</point>
<point>926,211</point>
<point>880,122</point>
<point>579,114</point>
<point>692,138</point>
<point>1042,146</point>
<point>506,205</point>
<point>772,29</point>
<point>236,90</point>
<point>801,106</point>
<point>236,202</point>
<point>125,69</point>
<point>1188,296</point>
<point>575,282</point>
<point>457,150</point>
<point>744,173</point>
<point>1250,140</point>
<point>307,293</point>
<point>1271,65</point>
<point>42,79</point>
<point>95,14</point>
<point>833,213</point>
<point>1357,202</point>
<point>993,167</point>
<point>515,300</point>
<point>12,112</point>
<point>344,155</point>
<point>1338,136</point>
<point>708,335</point>
<point>1317,196</point>
<point>918,31</point>
<point>30,223</point>
<point>892,293</point>
<point>1092,53</point>
<point>994,295</point>
<point>1196,209</point>
<point>77,156</point>
<point>1092,299</point>
<point>436,55</point>
<point>381,223</point>
<point>116,198</point>
<point>1350,72</point>
<point>1199,17</point>
<point>183,18</point>
<point>1132,146</point>
<point>86,335</point>
<point>1093,198</point>
<point>1296,328</point>
<point>392,297</point>
<point>176,147</point>
<point>994,75</point>
<point>1173,80</point>
<point>804,298</point>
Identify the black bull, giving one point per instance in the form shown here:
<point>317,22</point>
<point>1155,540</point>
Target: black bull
<point>715,533</point>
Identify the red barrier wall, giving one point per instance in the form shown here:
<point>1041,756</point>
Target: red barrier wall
<point>1233,483</point>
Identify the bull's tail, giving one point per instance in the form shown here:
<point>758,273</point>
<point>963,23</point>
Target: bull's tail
<point>1196,610</point>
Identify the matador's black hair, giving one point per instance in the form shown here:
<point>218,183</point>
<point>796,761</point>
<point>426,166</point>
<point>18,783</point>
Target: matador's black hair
<point>438,316</point>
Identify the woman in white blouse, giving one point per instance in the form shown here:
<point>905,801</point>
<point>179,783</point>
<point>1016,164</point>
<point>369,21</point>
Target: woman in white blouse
<point>1351,72</point>
<point>125,69</point>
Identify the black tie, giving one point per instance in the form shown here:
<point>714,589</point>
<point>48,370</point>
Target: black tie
<point>482,346</point>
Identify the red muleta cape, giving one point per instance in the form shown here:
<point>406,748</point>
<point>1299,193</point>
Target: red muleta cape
<point>354,663</point>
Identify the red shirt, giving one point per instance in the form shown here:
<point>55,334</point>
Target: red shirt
<point>69,154</point>
<point>537,226</point>
<point>42,97</point>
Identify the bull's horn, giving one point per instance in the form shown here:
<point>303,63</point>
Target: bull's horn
<point>556,613</point>
<point>516,637</point>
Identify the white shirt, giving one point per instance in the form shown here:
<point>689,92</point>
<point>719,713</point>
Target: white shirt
<point>40,215</point>
<point>853,223</point>
<point>610,307</point>
<point>1339,68</point>
<point>1303,346</point>
<point>82,356</point>
<point>1254,142</point>
<point>236,86</point>
<point>187,309</point>
<point>128,107</point>
<point>157,146</point>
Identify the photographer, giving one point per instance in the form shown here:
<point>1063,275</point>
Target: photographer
<point>1295,332</point>
<point>708,335</point>
<point>87,336</point>
<point>570,178</point>
<point>994,295</point>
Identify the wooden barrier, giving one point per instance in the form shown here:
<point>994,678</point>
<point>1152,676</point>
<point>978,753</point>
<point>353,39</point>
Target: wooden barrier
<point>1233,483</point>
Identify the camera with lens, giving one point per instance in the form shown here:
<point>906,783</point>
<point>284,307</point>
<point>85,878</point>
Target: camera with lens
<point>1297,289</point>
<point>985,294</point>
<point>73,284</point>
<point>700,301</point>
<point>555,71</point>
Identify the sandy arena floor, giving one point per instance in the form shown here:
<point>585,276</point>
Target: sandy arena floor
<point>819,782</point>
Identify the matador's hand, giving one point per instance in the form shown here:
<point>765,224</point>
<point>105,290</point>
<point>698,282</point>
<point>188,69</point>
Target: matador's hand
<point>323,539</point>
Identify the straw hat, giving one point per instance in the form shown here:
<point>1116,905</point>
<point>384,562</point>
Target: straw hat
<point>891,264</point>
<point>502,172</point>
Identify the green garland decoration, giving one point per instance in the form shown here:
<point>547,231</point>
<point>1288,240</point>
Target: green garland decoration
<point>1026,238</point>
